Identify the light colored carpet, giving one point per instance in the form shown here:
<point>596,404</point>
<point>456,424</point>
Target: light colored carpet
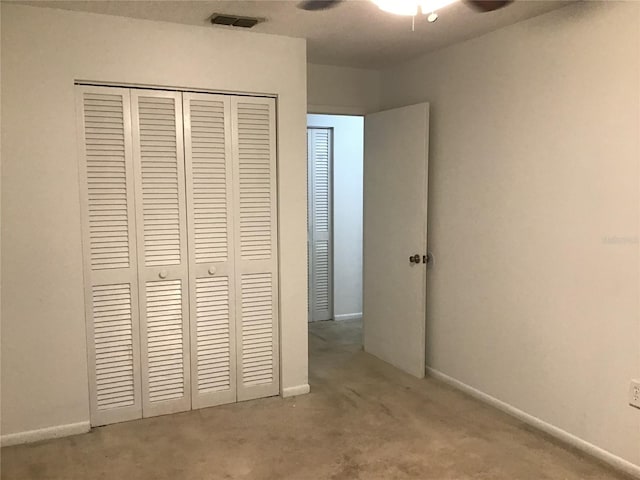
<point>363,420</point>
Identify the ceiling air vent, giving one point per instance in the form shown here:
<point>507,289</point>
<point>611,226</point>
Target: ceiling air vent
<point>234,20</point>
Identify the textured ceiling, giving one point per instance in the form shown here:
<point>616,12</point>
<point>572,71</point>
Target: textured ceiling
<point>356,33</point>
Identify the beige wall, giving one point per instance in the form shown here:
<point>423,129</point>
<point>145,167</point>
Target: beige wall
<point>44,367</point>
<point>534,166</point>
<point>342,90</point>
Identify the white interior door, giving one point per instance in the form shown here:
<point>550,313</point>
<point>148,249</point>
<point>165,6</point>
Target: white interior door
<point>256,258</point>
<point>162,245</point>
<point>319,147</point>
<point>109,244</point>
<point>209,173</point>
<point>395,229</point>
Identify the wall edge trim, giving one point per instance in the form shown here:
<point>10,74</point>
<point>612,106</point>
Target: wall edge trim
<point>47,433</point>
<point>348,316</point>
<point>296,390</point>
<point>336,110</point>
<point>607,457</point>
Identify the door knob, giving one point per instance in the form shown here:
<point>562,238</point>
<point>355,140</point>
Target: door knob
<point>212,270</point>
<point>163,274</point>
<point>414,258</point>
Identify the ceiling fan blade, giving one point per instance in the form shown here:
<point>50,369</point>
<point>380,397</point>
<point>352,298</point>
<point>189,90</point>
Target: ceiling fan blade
<point>315,5</point>
<point>487,5</point>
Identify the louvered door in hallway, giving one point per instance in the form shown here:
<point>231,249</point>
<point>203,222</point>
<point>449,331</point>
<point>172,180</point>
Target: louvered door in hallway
<point>320,221</point>
<point>180,248</point>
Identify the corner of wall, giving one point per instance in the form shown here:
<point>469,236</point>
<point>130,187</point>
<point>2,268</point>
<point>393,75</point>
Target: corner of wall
<point>341,90</point>
<point>562,435</point>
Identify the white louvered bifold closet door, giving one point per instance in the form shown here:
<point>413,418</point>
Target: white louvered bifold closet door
<point>162,250</point>
<point>254,179</point>
<point>320,223</point>
<point>109,248</point>
<point>208,163</point>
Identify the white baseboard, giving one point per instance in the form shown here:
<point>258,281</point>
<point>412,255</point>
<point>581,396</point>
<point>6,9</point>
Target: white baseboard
<point>295,391</point>
<point>607,457</point>
<point>45,433</point>
<point>347,316</point>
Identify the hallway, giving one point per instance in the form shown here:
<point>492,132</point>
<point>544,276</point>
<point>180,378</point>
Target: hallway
<point>362,420</point>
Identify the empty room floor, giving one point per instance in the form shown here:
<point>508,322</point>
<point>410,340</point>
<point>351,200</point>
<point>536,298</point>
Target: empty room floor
<point>362,420</point>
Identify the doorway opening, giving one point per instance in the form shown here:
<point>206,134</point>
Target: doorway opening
<point>335,216</point>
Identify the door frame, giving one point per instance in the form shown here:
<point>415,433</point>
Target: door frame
<point>317,109</point>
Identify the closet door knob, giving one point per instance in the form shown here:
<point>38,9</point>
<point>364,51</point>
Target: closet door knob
<point>163,274</point>
<point>212,270</point>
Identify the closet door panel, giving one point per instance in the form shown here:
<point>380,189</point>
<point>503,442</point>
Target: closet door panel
<point>208,162</point>
<point>162,242</point>
<point>256,242</point>
<point>109,248</point>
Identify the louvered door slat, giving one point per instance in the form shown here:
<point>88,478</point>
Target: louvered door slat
<point>254,181</point>
<point>257,329</point>
<point>162,240</point>
<point>319,149</point>
<point>208,162</point>
<point>165,340</point>
<point>108,221</point>
<point>103,113</point>
<point>160,180</point>
<point>256,258</point>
